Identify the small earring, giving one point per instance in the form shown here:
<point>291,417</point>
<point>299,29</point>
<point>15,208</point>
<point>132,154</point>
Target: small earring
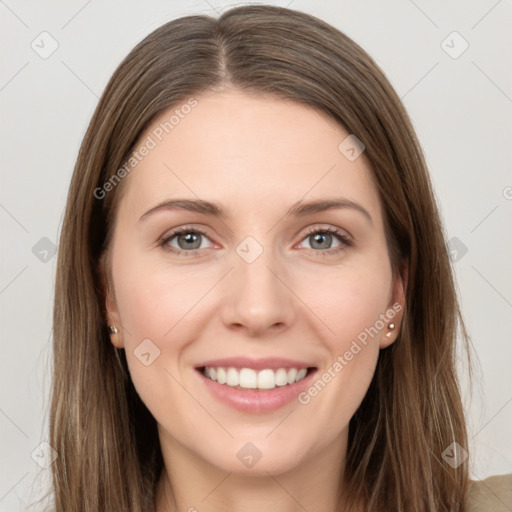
<point>390,327</point>
<point>113,329</point>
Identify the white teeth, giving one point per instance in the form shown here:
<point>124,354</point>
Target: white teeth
<point>251,379</point>
<point>292,375</point>
<point>281,377</point>
<point>221,375</point>
<point>266,379</point>
<point>232,377</point>
<point>301,374</point>
<point>248,378</point>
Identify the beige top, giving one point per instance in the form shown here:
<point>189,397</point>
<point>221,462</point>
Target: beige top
<point>492,494</point>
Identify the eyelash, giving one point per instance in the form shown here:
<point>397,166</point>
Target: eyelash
<point>344,241</point>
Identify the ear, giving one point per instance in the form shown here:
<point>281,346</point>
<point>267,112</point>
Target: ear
<point>111,310</point>
<point>396,305</point>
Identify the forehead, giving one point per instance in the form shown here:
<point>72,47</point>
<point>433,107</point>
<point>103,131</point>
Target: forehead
<point>246,151</point>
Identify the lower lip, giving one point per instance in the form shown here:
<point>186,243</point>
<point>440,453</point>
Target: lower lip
<point>257,401</point>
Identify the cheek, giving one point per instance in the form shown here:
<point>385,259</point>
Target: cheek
<point>349,301</point>
<point>153,300</point>
<point>351,305</point>
<point>156,304</point>
<point>337,306</point>
<point>161,304</point>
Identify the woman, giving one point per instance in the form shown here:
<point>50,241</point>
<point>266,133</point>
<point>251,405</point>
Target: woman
<point>208,354</point>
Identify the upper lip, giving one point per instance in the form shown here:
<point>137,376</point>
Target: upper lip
<point>256,364</point>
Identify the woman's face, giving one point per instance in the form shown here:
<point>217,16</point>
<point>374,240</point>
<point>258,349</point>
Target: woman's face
<point>267,288</point>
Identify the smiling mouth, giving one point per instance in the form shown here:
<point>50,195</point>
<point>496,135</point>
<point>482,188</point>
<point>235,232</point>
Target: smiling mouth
<point>265,379</point>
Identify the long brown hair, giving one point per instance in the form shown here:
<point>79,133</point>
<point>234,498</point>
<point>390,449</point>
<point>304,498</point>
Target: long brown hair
<point>109,457</point>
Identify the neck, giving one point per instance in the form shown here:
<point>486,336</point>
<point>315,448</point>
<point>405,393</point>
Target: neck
<point>189,483</point>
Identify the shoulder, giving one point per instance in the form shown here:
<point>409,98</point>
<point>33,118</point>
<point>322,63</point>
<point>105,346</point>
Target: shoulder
<point>492,493</point>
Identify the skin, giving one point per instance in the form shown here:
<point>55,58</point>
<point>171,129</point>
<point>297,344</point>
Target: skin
<point>254,155</point>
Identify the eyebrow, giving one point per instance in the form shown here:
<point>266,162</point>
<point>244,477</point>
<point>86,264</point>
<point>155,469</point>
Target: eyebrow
<point>298,209</point>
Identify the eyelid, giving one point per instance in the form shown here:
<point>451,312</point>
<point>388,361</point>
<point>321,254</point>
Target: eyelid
<point>318,228</point>
<point>344,238</point>
<point>169,235</point>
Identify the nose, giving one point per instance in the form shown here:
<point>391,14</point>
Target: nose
<point>257,297</point>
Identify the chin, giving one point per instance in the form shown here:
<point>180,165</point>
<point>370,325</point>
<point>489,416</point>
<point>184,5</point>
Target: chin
<point>257,456</point>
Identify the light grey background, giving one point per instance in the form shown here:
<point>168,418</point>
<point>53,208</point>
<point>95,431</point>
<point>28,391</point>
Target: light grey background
<point>461,107</point>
